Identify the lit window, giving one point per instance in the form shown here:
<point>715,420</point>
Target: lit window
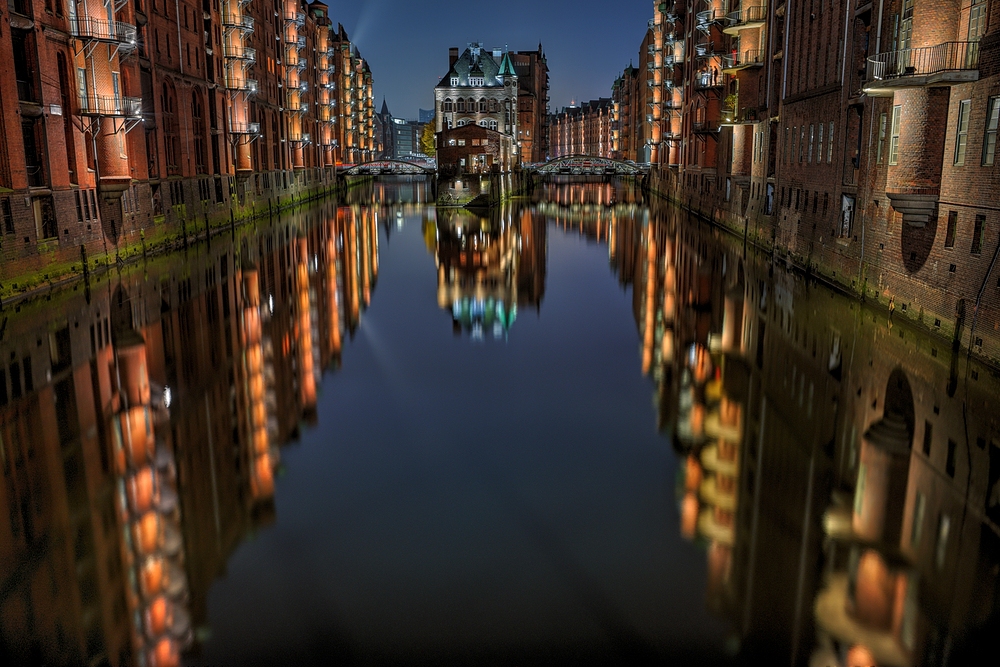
<point>819,144</point>
<point>962,137</point>
<point>802,144</point>
<point>894,135</point>
<point>812,138</point>
<point>883,120</point>
<point>829,145</point>
<point>454,81</point>
<point>990,141</point>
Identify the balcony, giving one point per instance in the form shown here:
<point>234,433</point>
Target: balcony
<point>242,23</point>
<point>244,128</point>
<point>111,106</point>
<point>298,107</point>
<point>302,138</point>
<point>705,19</point>
<point>295,18</point>
<point>240,52</point>
<point>241,84</point>
<point>942,65</point>
<point>707,80</point>
<point>112,32</point>
<point>751,17</point>
<point>735,63</point>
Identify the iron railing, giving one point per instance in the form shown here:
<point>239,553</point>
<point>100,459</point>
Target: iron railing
<point>946,57</point>
<point>748,59</point>
<point>244,128</point>
<point>741,18</point>
<point>110,105</point>
<point>102,30</point>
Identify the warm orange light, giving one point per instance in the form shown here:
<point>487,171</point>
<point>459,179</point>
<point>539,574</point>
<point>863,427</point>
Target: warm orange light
<point>689,515</point>
<point>860,656</point>
<point>146,532</point>
<point>152,575</point>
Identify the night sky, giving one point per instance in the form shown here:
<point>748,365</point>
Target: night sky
<point>406,42</point>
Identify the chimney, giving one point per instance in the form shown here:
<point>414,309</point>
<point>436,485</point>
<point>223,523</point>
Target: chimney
<point>452,56</point>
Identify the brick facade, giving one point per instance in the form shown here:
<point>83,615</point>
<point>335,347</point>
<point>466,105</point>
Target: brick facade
<point>163,121</point>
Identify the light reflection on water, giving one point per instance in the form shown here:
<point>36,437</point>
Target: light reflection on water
<point>270,449</point>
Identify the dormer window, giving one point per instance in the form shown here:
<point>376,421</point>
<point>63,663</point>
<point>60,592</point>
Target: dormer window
<point>477,81</point>
<point>454,81</point>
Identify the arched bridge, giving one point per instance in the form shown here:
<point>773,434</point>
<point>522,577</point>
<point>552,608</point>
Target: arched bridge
<point>388,168</point>
<point>584,165</point>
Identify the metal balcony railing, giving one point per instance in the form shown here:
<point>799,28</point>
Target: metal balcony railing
<point>705,19</point>
<point>749,58</point>
<point>109,105</point>
<point>705,126</point>
<point>241,23</point>
<point>242,84</point>
<point>748,17</point>
<point>244,128</point>
<point>240,52</point>
<point>302,138</point>
<point>296,18</point>
<point>925,61</point>
<point>116,32</point>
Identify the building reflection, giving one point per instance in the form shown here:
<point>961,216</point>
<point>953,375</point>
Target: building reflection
<point>140,432</point>
<point>841,471</point>
<point>488,266</point>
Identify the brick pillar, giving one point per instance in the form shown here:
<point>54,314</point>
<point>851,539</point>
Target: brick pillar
<point>914,184</point>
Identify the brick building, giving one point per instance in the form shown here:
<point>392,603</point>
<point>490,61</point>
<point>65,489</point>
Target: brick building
<point>130,124</point>
<point>481,88</point>
<point>817,131</point>
<point>475,149</point>
<point>532,103</point>
<point>584,130</point>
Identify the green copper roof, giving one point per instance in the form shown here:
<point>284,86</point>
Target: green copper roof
<point>507,67</point>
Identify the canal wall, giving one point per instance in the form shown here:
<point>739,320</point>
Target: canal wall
<point>150,217</point>
<point>953,297</point>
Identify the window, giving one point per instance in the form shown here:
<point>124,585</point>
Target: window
<point>894,135</point>
<point>8,216</point>
<point>812,139</point>
<point>978,233</point>
<point>882,121</point>
<point>949,466</point>
<point>461,105</point>
<point>81,86</point>
<point>795,143</point>
<point>802,144</point>
<point>829,145</point>
<point>447,105</point>
<point>962,137</point>
<point>788,143</point>
<point>906,25</point>
<point>977,20</point>
<point>928,437</point>
<point>917,527</point>
<point>819,145</point>
<point>990,141</point>
<point>454,81</point>
<point>941,550</point>
<point>949,237</point>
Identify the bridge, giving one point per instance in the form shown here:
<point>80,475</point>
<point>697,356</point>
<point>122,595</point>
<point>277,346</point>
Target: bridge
<point>584,165</point>
<point>388,168</point>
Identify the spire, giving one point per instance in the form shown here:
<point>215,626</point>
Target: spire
<point>385,109</point>
<point>507,67</point>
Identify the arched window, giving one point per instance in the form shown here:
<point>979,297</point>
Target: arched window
<point>463,122</point>
<point>493,106</point>
<point>482,105</point>
<point>171,135</point>
<point>493,124</point>
<point>461,104</point>
<point>447,105</point>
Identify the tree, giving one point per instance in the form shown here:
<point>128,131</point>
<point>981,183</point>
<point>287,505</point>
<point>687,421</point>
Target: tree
<point>427,138</point>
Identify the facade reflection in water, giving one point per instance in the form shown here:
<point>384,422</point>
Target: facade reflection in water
<point>140,429</point>
<point>841,472</point>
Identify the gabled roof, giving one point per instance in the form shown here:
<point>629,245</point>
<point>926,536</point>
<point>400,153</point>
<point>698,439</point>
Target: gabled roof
<point>474,61</point>
<point>507,67</point>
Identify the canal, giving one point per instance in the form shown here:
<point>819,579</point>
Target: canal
<point>584,427</point>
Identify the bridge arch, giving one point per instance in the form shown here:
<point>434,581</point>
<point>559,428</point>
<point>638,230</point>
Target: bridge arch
<point>589,166</point>
<point>388,167</point>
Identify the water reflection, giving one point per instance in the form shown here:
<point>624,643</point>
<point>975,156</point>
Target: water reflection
<point>840,472</point>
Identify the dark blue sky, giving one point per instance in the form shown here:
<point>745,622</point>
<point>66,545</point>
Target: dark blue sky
<point>406,42</point>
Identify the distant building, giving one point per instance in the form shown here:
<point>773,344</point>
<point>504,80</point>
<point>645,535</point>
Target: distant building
<point>480,88</point>
<point>385,131</point>
<point>426,115</point>
<point>584,130</point>
<point>406,137</point>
